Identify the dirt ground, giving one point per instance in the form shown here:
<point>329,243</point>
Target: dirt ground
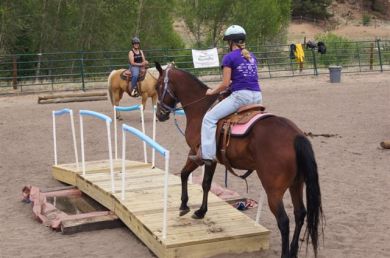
<point>354,170</point>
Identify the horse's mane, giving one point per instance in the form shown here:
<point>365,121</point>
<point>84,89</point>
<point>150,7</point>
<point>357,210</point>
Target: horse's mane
<point>194,78</point>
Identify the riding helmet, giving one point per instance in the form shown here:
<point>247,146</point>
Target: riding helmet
<point>235,33</point>
<point>135,40</point>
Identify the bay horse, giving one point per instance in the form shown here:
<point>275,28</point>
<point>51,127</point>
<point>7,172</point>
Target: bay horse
<point>275,147</point>
<point>118,86</point>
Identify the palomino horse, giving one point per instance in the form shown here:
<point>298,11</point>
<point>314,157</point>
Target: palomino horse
<point>117,86</point>
<point>275,147</point>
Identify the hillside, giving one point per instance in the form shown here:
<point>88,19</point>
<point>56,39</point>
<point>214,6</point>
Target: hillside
<point>347,21</point>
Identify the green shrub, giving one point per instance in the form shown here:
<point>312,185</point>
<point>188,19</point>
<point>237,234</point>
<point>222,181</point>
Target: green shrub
<point>339,51</point>
<point>366,19</point>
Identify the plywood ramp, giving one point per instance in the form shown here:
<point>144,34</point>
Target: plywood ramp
<point>223,230</point>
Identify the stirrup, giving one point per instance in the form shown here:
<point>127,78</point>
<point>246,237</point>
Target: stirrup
<point>134,93</point>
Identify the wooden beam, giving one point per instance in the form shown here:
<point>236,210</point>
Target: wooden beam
<point>71,99</point>
<point>89,224</point>
<point>385,144</point>
<point>70,95</point>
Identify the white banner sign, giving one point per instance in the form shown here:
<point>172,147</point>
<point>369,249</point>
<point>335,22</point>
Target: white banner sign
<point>205,58</point>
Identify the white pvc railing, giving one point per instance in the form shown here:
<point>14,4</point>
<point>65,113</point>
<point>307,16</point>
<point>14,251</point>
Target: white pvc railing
<point>108,121</point>
<point>260,205</point>
<point>162,151</point>
<point>128,109</point>
<point>59,113</point>
<point>154,136</point>
<point>180,112</point>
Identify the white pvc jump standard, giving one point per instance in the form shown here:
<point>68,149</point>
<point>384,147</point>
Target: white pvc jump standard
<point>162,151</point>
<point>154,136</point>
<point>108,121</point>
<point>128,109</point>
<point>60,113</point>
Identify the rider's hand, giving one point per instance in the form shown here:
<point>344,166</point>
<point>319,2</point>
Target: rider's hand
<point>209,92</point>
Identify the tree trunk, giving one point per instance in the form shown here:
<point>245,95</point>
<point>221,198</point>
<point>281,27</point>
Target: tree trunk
<point>137,28</point>
<point>41,40</point>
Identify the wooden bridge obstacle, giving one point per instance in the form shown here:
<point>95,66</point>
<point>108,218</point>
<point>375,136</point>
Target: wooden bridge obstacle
<point>147,201</point>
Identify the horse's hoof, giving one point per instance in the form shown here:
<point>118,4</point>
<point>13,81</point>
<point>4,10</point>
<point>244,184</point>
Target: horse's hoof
<point>198,215</point>
<point>184,212</point>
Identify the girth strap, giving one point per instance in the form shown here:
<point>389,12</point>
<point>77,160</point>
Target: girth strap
<point>225,144</point>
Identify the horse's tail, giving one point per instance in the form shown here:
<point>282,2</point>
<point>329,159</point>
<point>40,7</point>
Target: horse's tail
<point>109,87</point>
<point>307,167</point>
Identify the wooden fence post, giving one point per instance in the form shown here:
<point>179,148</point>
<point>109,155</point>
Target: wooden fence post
<point>371,56</point>
<point>379,53</point>
<point>14,73</point>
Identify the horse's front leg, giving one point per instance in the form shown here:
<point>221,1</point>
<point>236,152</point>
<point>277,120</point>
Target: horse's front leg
<point>117,97</point>
<point>144,98</point>
<point>188,168</point>
<point>206,185</point>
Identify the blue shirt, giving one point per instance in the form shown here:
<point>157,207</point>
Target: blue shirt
<point>244,72</point>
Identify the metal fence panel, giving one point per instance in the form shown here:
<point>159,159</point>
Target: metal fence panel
<point>87,70</point>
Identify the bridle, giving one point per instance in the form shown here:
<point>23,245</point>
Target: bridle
<point>164,108</point>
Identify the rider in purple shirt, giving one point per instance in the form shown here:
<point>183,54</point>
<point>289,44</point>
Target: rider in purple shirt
<point>244,72</point>
<point>240,75</point>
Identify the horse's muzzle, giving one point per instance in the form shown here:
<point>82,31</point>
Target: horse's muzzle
<point>162,116</point>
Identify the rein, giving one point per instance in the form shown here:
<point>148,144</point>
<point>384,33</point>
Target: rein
<point>164,107</point>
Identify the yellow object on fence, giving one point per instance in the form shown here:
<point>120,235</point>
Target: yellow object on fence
<point>299,53</point>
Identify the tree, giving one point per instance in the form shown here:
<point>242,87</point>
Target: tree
<point>311,8</point>
<point>263,20</point>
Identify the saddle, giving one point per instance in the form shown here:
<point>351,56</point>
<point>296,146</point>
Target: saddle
<point>238,124</point>
<point>126,76</point>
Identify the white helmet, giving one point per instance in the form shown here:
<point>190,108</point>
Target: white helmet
<point>235,33</point>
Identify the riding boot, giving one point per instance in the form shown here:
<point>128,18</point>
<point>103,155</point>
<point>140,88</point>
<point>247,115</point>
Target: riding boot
<point>197,159</point>
<point>134,92</point>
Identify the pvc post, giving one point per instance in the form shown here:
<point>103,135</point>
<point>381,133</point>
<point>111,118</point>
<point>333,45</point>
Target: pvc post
<point>82,144</point>
<point>110,157</point>
<point>74,140</point>
<point>129,108</point>
<point>115,135</point>
<point>259,207</point>
<point>123,163</point>
<point>59,113</point>
<point>54,138</point>
<point>141,109</point>
<point>154,137</point>
<point>165,215</point>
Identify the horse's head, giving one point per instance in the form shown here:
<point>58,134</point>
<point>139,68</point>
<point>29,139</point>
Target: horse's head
<point>167,99</point>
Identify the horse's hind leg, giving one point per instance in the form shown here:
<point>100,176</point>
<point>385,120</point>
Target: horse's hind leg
<point>296,192</point>
<point>206,185</point>
<point>188,168</point>
<point>275,202</point>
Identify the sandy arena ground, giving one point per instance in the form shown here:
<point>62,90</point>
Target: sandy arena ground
<point>354,170</point>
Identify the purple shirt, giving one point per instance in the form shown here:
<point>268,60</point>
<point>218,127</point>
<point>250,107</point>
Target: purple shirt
<point>244,73</point>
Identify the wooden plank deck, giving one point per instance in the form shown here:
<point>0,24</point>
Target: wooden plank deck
<point>223,230</point>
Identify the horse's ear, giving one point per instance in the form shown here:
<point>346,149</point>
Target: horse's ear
<point>158,67</point>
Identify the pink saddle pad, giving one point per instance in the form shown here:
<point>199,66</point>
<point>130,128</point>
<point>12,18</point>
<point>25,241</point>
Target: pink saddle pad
<point>242,129</point>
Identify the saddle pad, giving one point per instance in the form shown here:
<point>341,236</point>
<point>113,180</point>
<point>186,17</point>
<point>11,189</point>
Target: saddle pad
<point>242,129</point>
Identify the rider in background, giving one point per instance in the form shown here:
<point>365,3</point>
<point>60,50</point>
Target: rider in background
<point>240,76</point>
<point>136,61</point>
